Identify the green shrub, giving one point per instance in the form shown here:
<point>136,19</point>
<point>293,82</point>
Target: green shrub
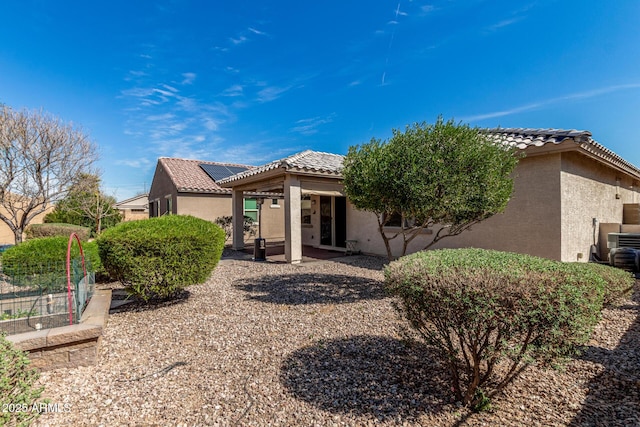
<point>43,261</point>
<point>226,223</point>
<point>17,391</point>
<point>35,231</point>
<point>158,257</point>
<point>618,282</point>
<point>480,308</point>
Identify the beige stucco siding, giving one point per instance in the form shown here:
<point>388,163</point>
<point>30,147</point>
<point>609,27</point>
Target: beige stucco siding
<point>589,191</point>
<point>272,218</point>
<point>212,206</point>
<point>530,224</point>
<point>6,235</point>
<point>161,187</point>
<point>205,206</point>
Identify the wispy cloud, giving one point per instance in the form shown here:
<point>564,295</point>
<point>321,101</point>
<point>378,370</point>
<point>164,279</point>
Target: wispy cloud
<point>258,32</point>
<point>235,90</point>
<point>544,103</point>
<point>189,78</point>
<point>504,23</point>
<point>238,40</point>
<point>271,93</point>
<point>310,126</point>
<point>244,37</point>
<point>139,163</point>
<point>427,8</point>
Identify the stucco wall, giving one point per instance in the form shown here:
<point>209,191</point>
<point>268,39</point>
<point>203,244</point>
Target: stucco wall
<point>131,215</point>
<point>161,187</point>
<point>212,206</point>
<point>6,235</point>
<point>530,224</point>
<point>589,191</point>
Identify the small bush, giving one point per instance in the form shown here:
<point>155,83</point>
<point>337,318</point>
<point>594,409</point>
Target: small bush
<point>618,283</point>
<point>17,390</point>
<point>35,231</point>
<point>158,257</point>
<point>479,308</point>
<point>226,223</point>
<point>43,261</point>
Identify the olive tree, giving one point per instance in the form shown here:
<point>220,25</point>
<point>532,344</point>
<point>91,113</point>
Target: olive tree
<point>444,176</point>
<point>39,158</point>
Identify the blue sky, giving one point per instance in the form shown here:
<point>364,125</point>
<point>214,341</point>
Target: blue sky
<point>252,81</point>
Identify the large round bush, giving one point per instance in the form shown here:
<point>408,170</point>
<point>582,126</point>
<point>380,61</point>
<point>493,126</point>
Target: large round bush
<point>158,257</point>
<point>483,308</point>
<point>43,261</point>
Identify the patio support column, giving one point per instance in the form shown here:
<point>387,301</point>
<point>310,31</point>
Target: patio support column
<point>292,220</point>
<point>237,214</point>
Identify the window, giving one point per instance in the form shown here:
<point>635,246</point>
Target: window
<point>168,202</point>
<point>305,209</point>
<point>154,208</point>
<point>395,220</point>
<point>251,209</point>
<point>274,203</point>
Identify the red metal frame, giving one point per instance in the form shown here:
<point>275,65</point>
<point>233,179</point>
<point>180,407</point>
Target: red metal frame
<point>84,270</point>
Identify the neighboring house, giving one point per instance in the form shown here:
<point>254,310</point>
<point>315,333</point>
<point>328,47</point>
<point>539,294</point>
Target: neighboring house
<point>189,187</point>
<point>134,208</point>
<point>563,189</point>
<point>6,235</point>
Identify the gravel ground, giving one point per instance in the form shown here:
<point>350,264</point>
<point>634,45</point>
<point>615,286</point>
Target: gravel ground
<point>318,344</point>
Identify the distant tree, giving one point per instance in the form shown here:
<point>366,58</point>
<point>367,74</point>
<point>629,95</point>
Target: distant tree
<point>443,175</point>
<point>86,205</point>
<point>39,158</point>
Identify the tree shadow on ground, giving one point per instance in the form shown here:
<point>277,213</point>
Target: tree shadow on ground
<point>373,376</point>
<point>311,288</point>
<point>135,304</point>
<point>614,395</point>
<point>370,262</point>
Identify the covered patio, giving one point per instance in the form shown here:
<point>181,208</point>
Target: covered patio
<point>305,173</point>
<point>275,253</point>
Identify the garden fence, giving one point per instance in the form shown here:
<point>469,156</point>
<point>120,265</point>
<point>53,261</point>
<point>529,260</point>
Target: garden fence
<point>36,296</point>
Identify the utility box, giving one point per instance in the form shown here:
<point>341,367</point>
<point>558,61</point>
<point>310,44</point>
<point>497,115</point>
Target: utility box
<point>260,250</point>
<point>631,213</point>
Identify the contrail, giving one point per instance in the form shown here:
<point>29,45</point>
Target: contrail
<point>393,34</point>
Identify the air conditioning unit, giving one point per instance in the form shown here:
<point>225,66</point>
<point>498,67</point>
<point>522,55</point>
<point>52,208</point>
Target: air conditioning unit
<point>623,240</point>
<point>624,250</point>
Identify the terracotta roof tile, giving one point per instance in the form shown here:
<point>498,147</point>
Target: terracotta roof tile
<point>305,161</point>
<point>188,176</point>
<point>524,138</point>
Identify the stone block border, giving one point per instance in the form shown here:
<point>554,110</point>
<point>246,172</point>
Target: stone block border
<point>68,346</point>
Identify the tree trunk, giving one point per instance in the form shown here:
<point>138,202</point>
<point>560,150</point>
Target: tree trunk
<point>17,235</point>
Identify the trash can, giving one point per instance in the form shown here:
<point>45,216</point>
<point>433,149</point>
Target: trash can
<point>260,250</point>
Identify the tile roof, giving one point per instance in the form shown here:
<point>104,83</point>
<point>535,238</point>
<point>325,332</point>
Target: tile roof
<point>309,161</point>
<point>524,138</point>
<point>328,164</point>
<point>188,176</point>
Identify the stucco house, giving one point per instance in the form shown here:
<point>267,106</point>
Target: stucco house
<point>189,187</point>
<point>134,208</point>
<point>564,187</point>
